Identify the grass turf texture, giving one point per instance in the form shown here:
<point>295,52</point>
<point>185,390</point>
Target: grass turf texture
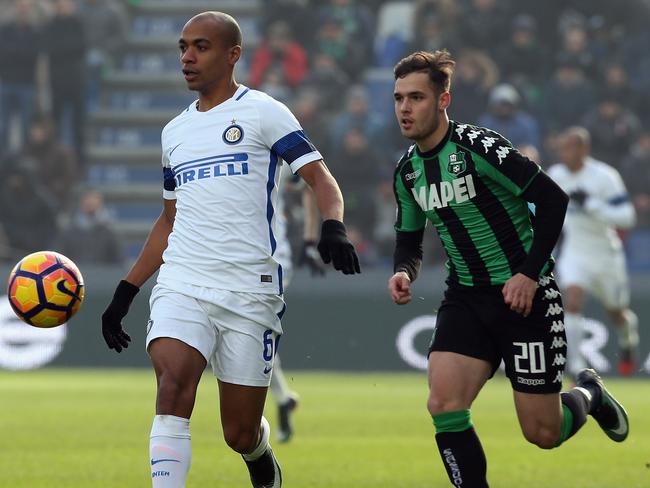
<point>82,428</point>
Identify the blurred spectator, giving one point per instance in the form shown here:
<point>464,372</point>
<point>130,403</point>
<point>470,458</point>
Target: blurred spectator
<point>567,97</point>
<point>356,166</point>
<point>635,170</point>
<point>522,60</point>
<point>90,237</point>
<point>613,127</point>
<point>329,80</point>
<point>105,24</point>
<point>66,49</point>
<point>281,55</point>
<point>575,45</point>
<point>28,214</point>
<point>356,115</point>
<point>20,46</point>
<point>505,117</point>
<point>301,16</point>
<point>432,32</point>
<point>53,164</point>
<point>346,35</point>
<point>485,24</point>
<point>306,106</point>
<point>475,76</point>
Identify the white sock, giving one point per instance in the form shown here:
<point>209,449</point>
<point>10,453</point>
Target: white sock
<point>573,326</point>
<point>628,334</point>
<point>170,450</point>
<point>264,442</point>
<point>279,387</point>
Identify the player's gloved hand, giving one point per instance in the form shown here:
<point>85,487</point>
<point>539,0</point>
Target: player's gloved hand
<point>114,335</point>
<point>309,257</point>
<point>578,197</point>
<point>335,247</point>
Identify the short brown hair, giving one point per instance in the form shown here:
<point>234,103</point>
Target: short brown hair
<point>439,65</point>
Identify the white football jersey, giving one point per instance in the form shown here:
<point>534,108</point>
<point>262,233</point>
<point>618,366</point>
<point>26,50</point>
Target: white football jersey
<point>592,228</point>
<point>222,167</point>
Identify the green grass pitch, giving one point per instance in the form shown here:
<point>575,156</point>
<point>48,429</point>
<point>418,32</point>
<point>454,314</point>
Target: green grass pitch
<point>90,428</point>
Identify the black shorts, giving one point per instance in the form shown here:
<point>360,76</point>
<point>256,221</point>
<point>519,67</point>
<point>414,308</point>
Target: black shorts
<point>476,322</point>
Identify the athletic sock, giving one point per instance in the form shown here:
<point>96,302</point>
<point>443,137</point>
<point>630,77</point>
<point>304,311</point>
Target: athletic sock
<point>264,442</point>
<point>628,332</point>
<point>574,328</point>
<point>460,449</point>
<point>170,450</point>
<point>279,387</point>
<point>576,404</point>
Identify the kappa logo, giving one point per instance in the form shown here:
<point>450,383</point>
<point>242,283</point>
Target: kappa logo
<point>558,326</point>
<point>413,176</point>
<point>233,133</point>
<point>558,342</point>
<point>457,163</point>
<point>488,142</point>
<point>502,152</point>
<point>559,360</point>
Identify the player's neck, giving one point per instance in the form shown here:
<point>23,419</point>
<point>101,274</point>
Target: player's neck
<point>433,139</point>
<point>578,167</point>
<point>222,92</point>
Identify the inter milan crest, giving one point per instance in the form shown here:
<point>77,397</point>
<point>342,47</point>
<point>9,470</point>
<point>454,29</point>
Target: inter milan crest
<point>456,163</point>
<point>233,133</point>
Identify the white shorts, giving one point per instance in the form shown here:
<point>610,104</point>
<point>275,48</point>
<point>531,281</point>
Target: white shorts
<point>605,276</point>
<point>237,333</point>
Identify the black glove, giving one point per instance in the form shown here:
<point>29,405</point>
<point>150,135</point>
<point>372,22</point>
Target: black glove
<point>114,335</point>
<point>309,257</point>
<point>578,197</point>
<point>334,246</point>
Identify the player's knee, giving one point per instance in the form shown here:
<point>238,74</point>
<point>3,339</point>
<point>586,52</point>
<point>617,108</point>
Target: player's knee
<point>542,436</point>
<point>437,404</point>
<point>240,438</point>
<point>174,394</point>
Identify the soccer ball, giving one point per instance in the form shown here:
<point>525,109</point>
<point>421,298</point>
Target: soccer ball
<point>45,289</point>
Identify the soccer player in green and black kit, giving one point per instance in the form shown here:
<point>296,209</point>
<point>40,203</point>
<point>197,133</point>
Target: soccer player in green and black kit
<point>502,301</point>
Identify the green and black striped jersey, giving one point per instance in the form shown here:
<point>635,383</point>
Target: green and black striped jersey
<point>470,187</point>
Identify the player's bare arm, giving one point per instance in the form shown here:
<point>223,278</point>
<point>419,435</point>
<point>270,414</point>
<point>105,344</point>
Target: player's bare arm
<point>148,262</point>
<point>326,190</point>
<point>150,258</point>
<point>334,245</point>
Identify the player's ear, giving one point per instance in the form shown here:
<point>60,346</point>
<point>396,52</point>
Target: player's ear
<point>234,54</point>
<point>444,100</point>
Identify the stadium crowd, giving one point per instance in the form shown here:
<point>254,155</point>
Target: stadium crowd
<point>527,69</point>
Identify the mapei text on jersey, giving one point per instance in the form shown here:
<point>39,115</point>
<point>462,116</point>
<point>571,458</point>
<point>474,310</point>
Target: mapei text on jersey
<point>458,190</point>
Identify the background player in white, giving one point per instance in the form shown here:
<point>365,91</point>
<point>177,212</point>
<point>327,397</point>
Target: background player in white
<point>286,399</point>
<point>591,253</point>
<point>218,296</point>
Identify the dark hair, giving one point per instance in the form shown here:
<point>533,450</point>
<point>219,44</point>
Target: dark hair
<point>439,65</point>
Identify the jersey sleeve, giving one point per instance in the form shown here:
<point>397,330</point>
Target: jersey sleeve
<point>410,216</point>
<point>169,182</point>
<point>282,132</point>
<point>501,162</point>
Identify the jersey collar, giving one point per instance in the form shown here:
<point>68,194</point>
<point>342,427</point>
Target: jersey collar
<point>433,152</point>
<point>240,92</point>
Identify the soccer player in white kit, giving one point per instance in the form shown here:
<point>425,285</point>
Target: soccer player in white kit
<point>218,297</point>
<point>591,255</point>
<point>285,399</point>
